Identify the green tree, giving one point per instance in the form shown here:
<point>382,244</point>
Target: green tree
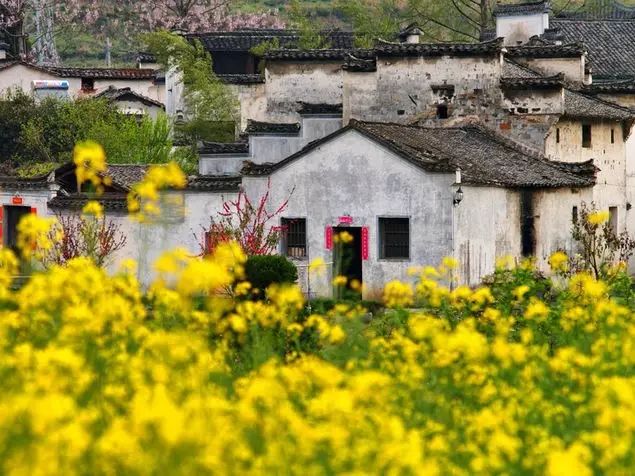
<point>208,101</point>
<point>309,27</point>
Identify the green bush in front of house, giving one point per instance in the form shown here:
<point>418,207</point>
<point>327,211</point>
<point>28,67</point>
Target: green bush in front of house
<point>264,270</point>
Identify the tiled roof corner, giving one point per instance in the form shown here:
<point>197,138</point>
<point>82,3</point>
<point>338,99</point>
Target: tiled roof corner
<point>241,78</point>
<point>210,183</point>
<point>550,82</point>
<point>359,65</point>
<point>312,109</point>
<point>213,148</point>
<point>257,127</point>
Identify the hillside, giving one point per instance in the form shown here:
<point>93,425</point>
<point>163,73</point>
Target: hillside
<point>82,42</point>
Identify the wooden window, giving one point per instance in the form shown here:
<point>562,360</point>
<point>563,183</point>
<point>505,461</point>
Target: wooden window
<point>612,136</point>
<point>442,111</point>
<point>586,136</point>
<point>558,135</point>
<point>294,237</point>
<point>394,238</point>
<point>613,219</point>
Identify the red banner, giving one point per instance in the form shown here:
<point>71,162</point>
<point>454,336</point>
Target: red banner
<point>328,237</point>
<point>365,243</point>
<point>346,220</point>
<point>16,200</point>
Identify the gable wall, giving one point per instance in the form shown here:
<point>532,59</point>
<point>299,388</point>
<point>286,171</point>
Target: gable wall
<point>573,68</point>
<point>354,175</point>
<point>287,83</point>
<point>609,158</point>
<point>21,77</point>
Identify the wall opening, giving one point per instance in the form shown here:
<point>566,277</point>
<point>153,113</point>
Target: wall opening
<point>12,216</point>
<point>613,223</point>
<point>558,135</point>
<point>612,136</point>
<point>586,136</point>
<point>574,214</point>
<point>88,84</point>
<point>442,111</point>
<point>347,256</point>
<point>527,225</point>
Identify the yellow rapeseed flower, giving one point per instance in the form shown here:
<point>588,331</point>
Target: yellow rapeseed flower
<point>598,217</point>
<point>93,208</point>
<point>559,262</point>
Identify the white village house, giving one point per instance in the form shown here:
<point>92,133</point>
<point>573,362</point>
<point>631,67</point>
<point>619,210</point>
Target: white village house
<point>381,141</point>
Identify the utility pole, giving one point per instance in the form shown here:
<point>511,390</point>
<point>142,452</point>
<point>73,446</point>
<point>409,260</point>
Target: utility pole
<point>108,53</point>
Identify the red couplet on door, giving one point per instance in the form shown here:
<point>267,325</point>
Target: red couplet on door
<point>365,243</point>
<point>328,237</point>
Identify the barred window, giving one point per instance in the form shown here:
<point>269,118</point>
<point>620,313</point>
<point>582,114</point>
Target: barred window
<point>394,238</point>
<point>294,237</point>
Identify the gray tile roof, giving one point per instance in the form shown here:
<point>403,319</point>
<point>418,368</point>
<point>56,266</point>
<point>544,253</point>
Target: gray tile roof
<point>76,202</point>
<point>313,109</point>
<point>603,9</point>
<point>307,55</point>
<point>484,157</point>
<point>126,175</point>
<point>512,69</point>
<point>233,148</point>
<point>9,182</point>
<point>257,127</point>
<point>487,48</point>
<point>241,78</point>
<point>549,82</point>
<point>359,65</point>
<point>209,183</point>
<point>577,103</point>
<point>105,73</point>
<point>521,8</point>
<point>583,106</point>
<point>610,44</point>
<point>537,50</point>
<point>626,86</point>
<point>246,39</point>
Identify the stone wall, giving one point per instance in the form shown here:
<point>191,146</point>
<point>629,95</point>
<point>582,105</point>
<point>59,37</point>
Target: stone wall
<point>609,157</point>
<point>409,88</point>
<point>288,83</point>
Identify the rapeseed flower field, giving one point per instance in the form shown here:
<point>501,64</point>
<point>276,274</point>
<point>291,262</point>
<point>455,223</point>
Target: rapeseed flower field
<point>528,375</point>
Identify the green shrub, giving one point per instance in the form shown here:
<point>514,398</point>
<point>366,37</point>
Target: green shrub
<point>263,270</point>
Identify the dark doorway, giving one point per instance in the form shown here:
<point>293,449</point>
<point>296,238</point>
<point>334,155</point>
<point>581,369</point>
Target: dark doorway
<point>347,256</point>
<point>12,216</point>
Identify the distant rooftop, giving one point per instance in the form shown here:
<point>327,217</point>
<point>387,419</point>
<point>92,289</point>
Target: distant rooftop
<point>522,8</point>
